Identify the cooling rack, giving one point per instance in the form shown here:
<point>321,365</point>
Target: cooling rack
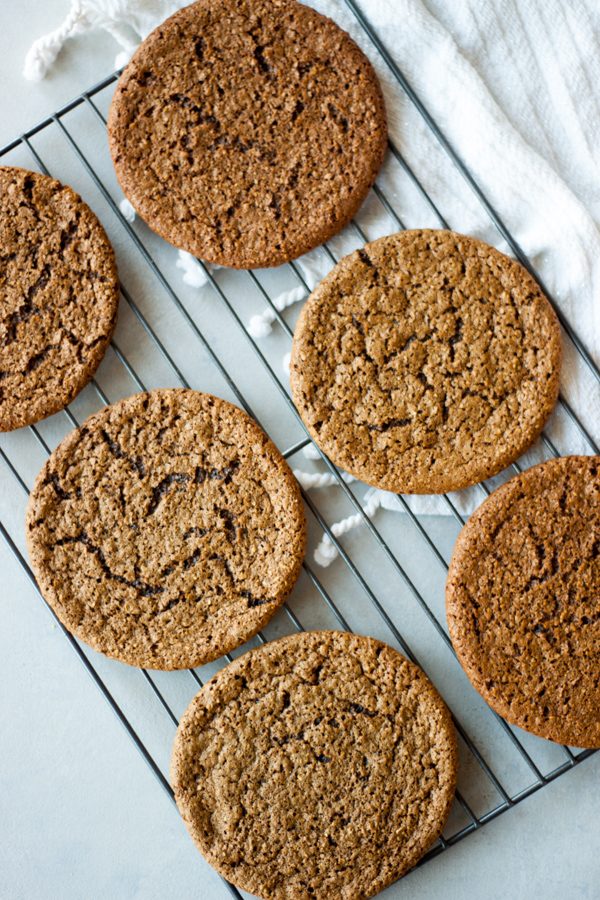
<point>389,578</point>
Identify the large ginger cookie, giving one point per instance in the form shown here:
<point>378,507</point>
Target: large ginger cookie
<point>321,765</point>
<point>426,362</point>
<point>523,600</point>
<point>166,530</point>
<point>247,131</point>
<point>58,296</point>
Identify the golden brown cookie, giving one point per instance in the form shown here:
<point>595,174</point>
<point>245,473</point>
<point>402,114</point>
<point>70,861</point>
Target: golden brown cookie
<point>426,362</point>
<point>321,765</point>
<point>523,600</point>
<point>166,530</point>
<point>58,295</point>
<point>247,131</point>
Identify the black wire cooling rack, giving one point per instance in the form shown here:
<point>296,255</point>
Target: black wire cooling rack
<point>389,580</point>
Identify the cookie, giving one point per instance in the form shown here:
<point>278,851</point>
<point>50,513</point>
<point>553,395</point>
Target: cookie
<point>59,294</point>
<point>167,530</point>
<point>320,765</point>
<point>523,600</point>
<point>426,362</point>
<point>247,132</point>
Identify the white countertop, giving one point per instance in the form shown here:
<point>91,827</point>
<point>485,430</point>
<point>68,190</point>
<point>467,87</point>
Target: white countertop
<point>82,816</point>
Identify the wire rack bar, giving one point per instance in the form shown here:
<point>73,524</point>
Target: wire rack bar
<point>55,121</point>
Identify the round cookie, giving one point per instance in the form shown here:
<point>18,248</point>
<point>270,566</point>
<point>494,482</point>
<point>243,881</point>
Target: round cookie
<point>425,362</point>
<point>319,765</point>
<point>58,296</point>
<point>247,132</point>
<point>523,600</point>
<point>166,530</point>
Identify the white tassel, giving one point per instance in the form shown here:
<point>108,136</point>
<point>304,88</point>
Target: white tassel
<point>309,480</point>
<point>313,269</point>
<point>127,210</point>
<point>325,553</point>
<point>44,51</point>
<point>314,265</point>
<point>311,451</point>
<point>126,21</point>
<point>260,325</point>
<point>193,273</point>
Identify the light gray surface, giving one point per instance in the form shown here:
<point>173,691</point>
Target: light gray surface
<point>81,814</point>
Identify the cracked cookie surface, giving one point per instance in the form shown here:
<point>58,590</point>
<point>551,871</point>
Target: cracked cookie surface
<point>166,530</point>
<point>523,600</point>
<point>320,765</point>
<point>59,294</point>
<point>426,362</point>
<point>247,132</point>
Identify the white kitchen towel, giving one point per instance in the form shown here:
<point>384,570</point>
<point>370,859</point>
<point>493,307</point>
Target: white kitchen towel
<point>513,86</point>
